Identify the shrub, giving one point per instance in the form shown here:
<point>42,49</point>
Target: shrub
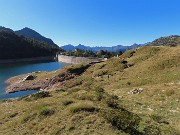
<point>123,120</point>
<point>25,119</point>
<point>28,117</point>
<point>99,93</point>
<point>169,93</point>
<point>45,111</point>
<point>156,118</point>
<point>67,102</point>
<point>78,69</point>
<point>128,54</point>
<point>13,115</point>
<point>128,83</point>
<point>60,90</point>
<point>159,119</point>
<point>112,101</point>
<point>152,130</point>
<point>41,94</point>
<point>84,106</point>
<point>101,72</point>
<point>87,96</point>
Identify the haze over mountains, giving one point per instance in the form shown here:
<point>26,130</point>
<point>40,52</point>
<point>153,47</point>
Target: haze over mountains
<point>116,48</point>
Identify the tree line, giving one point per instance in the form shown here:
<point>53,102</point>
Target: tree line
<point>14,46</point>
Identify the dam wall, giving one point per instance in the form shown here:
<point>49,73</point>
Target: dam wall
<point>77,60</point>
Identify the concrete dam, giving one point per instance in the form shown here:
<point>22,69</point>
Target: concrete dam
<point>77,60</point>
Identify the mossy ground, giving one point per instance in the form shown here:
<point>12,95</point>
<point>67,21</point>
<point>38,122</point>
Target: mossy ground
<point>97,101</point>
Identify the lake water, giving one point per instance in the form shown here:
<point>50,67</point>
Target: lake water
<point>10,70</point>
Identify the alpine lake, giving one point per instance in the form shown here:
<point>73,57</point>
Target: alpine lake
<point>14,69</point>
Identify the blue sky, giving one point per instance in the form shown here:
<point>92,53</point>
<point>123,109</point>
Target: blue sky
<point>94,22</point>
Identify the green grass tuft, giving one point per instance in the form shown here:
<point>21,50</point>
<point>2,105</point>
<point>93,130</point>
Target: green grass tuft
<point>82,106</point>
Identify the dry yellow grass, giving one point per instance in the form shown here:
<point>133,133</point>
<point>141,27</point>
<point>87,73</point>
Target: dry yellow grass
<point>81,105</point>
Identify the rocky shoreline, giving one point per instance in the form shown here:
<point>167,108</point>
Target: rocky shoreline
<point>45,81</point>
<point>18,83</point>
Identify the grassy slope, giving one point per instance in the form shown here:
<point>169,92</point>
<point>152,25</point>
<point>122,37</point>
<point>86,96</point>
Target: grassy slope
<point>86,109</point>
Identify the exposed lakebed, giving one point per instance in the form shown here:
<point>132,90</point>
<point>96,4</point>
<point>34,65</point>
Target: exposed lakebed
<point>10,70</point>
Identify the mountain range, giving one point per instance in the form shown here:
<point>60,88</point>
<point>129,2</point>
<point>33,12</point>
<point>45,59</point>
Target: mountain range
<point>116,48</point>
<point>173,40</point>
<point>30,33</point>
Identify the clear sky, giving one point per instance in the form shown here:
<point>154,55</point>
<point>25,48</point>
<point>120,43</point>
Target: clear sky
<point>94,22</point>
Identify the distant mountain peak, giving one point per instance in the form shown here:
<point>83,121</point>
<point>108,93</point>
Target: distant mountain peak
<point>30,33</point>
<point>30,30</point>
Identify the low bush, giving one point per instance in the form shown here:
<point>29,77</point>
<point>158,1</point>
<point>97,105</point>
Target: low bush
<point>123,120</point>
<point>45,111</point>
<point>101,72</point>
<point>152,130</point>
<point>41,94</point>
<point>169,93</point>
<point>13,115</point>
<point>26,118</point>
<point>60,90</point>
<point>87,96</point>
<point>112,101</point>
<point>83,106</point>
<point>99,93</point>
<point>156,118</point>
<point>78,69</point>
<point>67,102</point>
<point>128,54</point>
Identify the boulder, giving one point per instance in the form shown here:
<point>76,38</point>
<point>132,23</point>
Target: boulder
<point>123,61</point>
<point>136,91</point>
<point>29,77</point>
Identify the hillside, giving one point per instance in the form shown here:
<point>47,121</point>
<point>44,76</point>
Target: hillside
<point>13,46</point>
<point>137,93</point>
<point>29,33</point>
<point>173,40</point>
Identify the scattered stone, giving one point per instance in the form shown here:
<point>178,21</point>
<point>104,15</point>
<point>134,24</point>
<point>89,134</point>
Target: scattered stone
<point>29,77</point>
<point>120,97</point>
<point>136,91</point>
<point>38,72</point>
<point>177,100</point>
<point>150,109</point>
<point>174,111</point>
<point>123,61</point>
